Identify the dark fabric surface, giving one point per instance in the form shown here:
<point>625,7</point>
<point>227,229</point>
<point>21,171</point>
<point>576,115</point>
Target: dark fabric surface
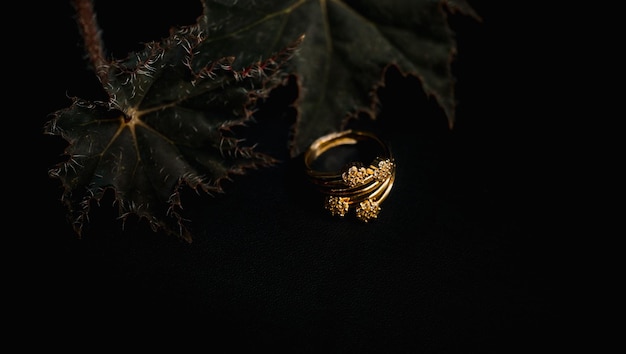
<point>458,260</point>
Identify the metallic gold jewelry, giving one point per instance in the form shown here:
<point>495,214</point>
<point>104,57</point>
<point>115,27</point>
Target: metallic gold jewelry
<point>358,186</point>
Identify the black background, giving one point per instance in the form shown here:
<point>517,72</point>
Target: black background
<point>460,259</point>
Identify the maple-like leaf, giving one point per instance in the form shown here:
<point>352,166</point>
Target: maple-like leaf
<point>166,126</point>
<point>348,45</point>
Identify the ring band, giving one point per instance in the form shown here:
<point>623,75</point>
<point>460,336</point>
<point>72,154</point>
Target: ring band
<point>356,185</point>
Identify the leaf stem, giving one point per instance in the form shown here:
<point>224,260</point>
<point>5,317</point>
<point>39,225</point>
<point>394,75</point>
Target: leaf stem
<point>91,33</point>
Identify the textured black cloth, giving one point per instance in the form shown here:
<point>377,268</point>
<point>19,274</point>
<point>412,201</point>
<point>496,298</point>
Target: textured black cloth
<point>458,260</point>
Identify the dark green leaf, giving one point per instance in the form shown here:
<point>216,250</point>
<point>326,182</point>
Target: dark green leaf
<point>165,127</point>
<point>348,44</point>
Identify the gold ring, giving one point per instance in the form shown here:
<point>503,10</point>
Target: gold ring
<point>362,183</point>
